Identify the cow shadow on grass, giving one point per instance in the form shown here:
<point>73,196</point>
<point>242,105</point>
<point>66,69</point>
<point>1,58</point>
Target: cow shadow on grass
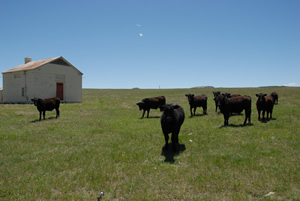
<point>152,117</point>
<point>38,120</point>
<point>236,125</point>
<point>198,115</point>
<point>266,120</point>
<point>169,153</point>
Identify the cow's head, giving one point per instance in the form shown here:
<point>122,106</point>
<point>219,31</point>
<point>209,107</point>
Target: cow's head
<point>261,97</point>
<point>36,101</point>
<point>190,97</point>
<point>216,93</point>
<point>222,99</point>
<point>141,105</point>
<point>168,109</point>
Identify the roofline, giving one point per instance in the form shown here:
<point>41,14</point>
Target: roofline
<point>61,57</point>
<point>50,60</point>
<point>22,70</point>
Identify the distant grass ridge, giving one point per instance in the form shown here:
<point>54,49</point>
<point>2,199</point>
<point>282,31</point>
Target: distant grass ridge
<point>103,145</point>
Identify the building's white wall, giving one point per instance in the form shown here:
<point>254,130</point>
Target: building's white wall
<point>41,83</point>
<point>12,87</point>
<point>72,81</point>
<point>1,96</point>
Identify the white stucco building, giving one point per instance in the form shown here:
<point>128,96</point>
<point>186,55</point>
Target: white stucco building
<point>54,77</point>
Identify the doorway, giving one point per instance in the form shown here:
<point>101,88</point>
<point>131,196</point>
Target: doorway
<point>60,90</point>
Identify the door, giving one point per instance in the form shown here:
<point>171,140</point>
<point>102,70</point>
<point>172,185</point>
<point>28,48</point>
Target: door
<point>60,90</point>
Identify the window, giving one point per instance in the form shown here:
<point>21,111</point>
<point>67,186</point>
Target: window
<point>17,75</point>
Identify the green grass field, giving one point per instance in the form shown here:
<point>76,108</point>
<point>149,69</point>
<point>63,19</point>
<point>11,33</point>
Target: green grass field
<point>103,145</point>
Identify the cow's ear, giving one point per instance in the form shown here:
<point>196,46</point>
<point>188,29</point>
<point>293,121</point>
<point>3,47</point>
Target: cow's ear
<point>265,94</point>
<point>257,95</point>
<point>186,95</point>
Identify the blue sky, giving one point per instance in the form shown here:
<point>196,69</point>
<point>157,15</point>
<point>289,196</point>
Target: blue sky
<point>158,43</point>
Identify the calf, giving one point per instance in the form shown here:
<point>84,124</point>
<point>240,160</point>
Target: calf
<point>197,101</point>
<point>264,103</point>
<point>151,103</point>
<point>275,97</point>
<point>235,105</point>
<point>171,120</point>
<point>48,104</point>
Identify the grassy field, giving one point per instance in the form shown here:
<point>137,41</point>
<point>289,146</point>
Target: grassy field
<point>103,145</point>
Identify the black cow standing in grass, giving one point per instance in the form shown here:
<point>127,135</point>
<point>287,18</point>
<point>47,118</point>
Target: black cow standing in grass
<point>171,120</point>
<point>216,95</point>
<point>197,101</point>
<point>48,104</point>
<point>151,103</point>
<point>275,97</point>
<point>235,105</point>
<point>264,103</point>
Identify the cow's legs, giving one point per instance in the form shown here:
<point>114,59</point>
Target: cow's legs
<point>44,113</point>
<point>247,116</point>
<point>226,117</point>
<point>148,111</point>
<point>174,140</point>
<point>143,114</point>
<point>166,140</point>
<point>57,112</point>
<point>40,115</point>
<point>205,110</point>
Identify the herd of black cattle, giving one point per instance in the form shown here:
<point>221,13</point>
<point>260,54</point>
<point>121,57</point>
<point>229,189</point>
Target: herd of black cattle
<point>173,115</point>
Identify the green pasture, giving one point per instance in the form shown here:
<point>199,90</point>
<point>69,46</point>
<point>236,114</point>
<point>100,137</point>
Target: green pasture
<point>102,144</point>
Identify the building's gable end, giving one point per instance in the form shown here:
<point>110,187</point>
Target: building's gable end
<point>60,62</point>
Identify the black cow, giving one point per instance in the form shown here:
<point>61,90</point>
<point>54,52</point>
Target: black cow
<point>48,104</point>
<point>197,101</point>
<point>151,103</point>
<point>171,120</point>
<point>216,95</point>
<point>264,103</point>
<point>235,105</point>
<point>275,97</point>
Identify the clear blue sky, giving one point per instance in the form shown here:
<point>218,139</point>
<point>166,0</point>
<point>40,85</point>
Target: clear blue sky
<point>166,43</point>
